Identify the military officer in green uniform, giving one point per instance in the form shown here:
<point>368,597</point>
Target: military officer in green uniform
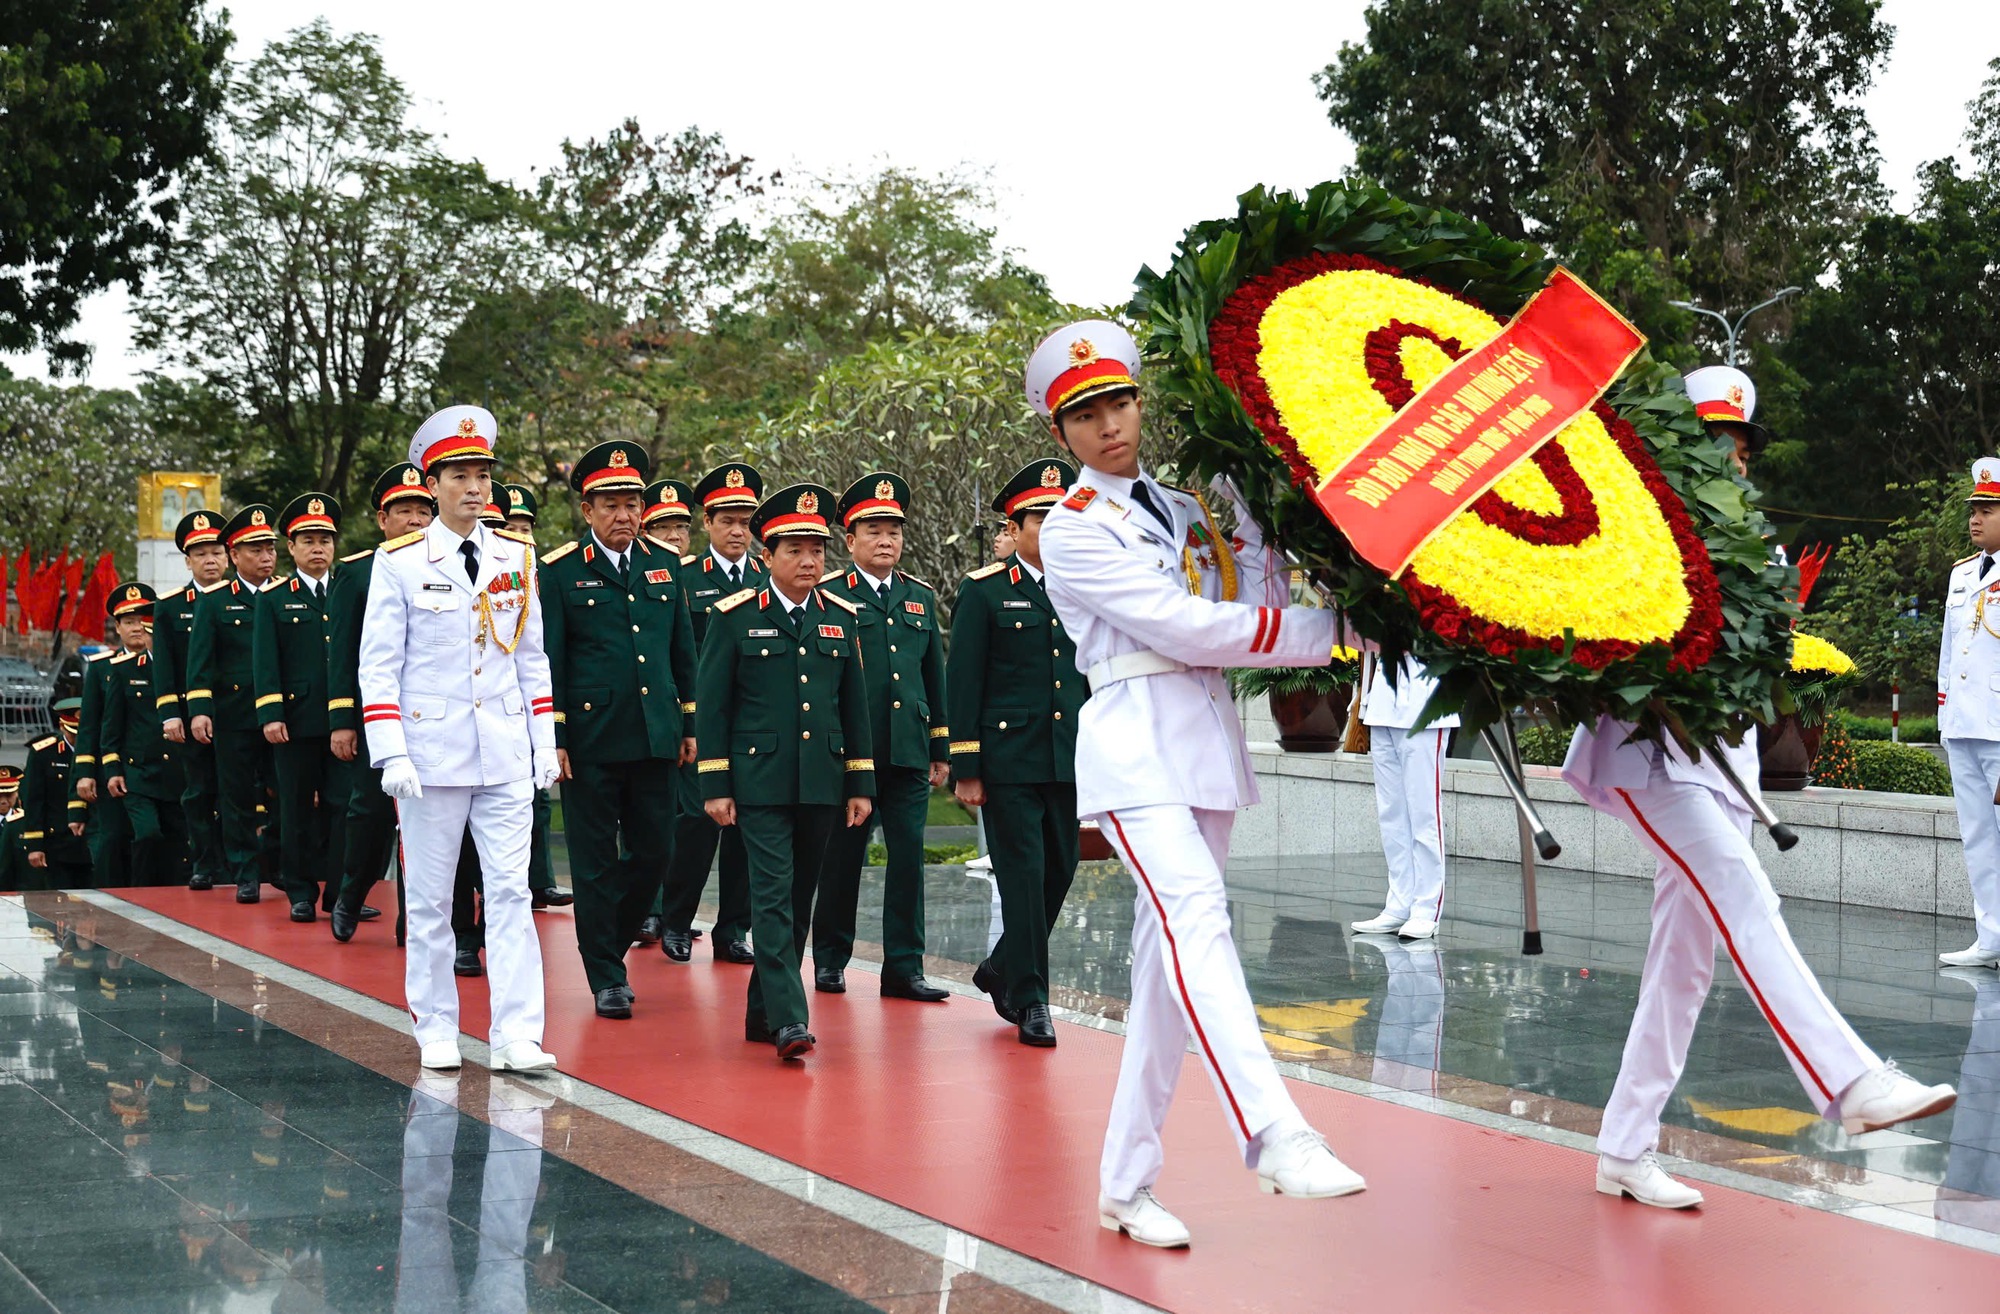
<point>13,862</point>
<point>670,525</point>
<point>222,709</point>
<point>52,827</point>
<point>902,655</point>
<point>108,833</point>
<point>199,537</point>
<point>139,765</point>
<point>290,637</point>
<point>1015,695</point>
<point>403,506</point>
<point>782,724</point>
<point>543,892</point>
<point>728,495</point>
<point>621,663</point>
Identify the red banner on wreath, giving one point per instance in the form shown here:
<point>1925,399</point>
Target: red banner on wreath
<point>1478,420</point>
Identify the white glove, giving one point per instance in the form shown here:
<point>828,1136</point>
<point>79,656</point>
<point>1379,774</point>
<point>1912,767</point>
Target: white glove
<point>546,769</point>
<point>399,779</point>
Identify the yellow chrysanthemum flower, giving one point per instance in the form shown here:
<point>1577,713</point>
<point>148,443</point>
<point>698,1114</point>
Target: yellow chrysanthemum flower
<point>1818,656</point>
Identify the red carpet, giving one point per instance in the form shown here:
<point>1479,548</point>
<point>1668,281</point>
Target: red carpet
<point>936,1108</point>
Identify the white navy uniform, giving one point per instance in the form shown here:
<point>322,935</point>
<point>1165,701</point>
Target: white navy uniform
<point>471,718</point>
<point>1968,681</point>
<point>1162,766</point>
<point>1409,788</point>
<point>1709,891</point>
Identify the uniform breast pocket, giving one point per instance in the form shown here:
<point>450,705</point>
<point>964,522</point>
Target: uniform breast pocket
<point>437,620</point>
<point>1024,621</point>
<point>833,647</point>
<point>1001,720</point>
<point>753,745</point>
<point>757,649</point>
<point>426,745</point>
<point>590,699</point>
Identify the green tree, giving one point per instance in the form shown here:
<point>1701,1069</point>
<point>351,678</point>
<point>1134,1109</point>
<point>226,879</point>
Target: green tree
<point>104,105</point>
<point>1882,598</point>
<point>1710,150</point>
<point>325,260</point>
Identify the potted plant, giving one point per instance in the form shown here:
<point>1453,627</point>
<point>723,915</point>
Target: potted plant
<point>1309,703</point>
<point>1788,746</point>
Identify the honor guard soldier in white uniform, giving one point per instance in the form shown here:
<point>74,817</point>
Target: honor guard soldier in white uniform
<point>456,703</point>
<point>1409,787</point>
<point>1158,605</point>
<point>1968,681</point>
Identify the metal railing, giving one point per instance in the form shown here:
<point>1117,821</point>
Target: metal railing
<point>24,713</point>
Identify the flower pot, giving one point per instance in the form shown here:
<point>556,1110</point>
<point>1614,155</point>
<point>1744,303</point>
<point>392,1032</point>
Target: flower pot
<point>1785,753</point>
<point>1091,846</point>
<point>1311,722</point>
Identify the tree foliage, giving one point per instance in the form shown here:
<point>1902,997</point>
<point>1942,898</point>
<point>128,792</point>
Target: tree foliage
<point>103,106</point>
<point>1666,149</point>
<point>1882,599</point>
<point>325,260</point>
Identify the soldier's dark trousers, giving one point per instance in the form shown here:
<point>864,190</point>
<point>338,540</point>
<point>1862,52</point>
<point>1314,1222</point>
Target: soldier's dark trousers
<point>110,839</point>
<point>696,840</point>
<point>902,802</point>
<point>239,792</point>
<point>159,840</point>
<point>1032,833</point>
<point>305,818</point>
<point>541,868</point>
<point>198,807</point>
<point>369,838</point>
<point>784,845</point>
<point>601,800</point>
<point>468,923</point>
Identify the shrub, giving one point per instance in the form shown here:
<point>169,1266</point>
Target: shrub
<point>1900,769</point>
<point>1915,729</point>
<point>934,854</point>
<point>1543,745</point>
<point>1835,767</point>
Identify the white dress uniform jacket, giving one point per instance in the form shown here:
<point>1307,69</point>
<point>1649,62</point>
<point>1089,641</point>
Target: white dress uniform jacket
<point>1397,706</point>
<point>1968,676</point>
<point>1120,582</point>
<point>463,712</point>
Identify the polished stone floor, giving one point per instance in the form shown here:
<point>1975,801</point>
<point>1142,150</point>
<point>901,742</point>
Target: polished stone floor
<point>169,1148</point>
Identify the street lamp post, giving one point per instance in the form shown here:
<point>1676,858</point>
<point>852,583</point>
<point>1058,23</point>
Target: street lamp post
<point>1731,330</point>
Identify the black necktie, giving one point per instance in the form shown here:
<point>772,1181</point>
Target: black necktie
<point>1985,564</point>
<point>471,555</point>
<point>735,576</point>
<point>625,569</point>
<point>1145,498</point>
<point>882,592</point>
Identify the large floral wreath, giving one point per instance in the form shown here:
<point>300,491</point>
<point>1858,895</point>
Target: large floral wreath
<point>1619,569</point>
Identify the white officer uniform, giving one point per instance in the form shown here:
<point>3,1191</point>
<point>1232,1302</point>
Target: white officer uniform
<point>1968,681</point>
<point>455,680</point>
<point>1409,788</point>
<point>1156,613</point>
<point>1724,395</point>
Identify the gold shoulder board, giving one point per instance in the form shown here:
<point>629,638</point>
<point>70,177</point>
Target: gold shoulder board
<point>990,568</point>
<point>557,554</point>
<point>356,556</point>
<point>398,544</point>
<point>736,599</point>
<point>40,744</point>
<point>516,535</point>
<point>842,603</point>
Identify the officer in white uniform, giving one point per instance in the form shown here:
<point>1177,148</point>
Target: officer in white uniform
<point>456,704</point>
<point>1968,682</point>
<point>1710,892</point>
<point>1726,400</point>
<point>1409,788</point>
<point>1158,605</point>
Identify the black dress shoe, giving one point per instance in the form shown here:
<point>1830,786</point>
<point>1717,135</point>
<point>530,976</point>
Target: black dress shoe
<point>1036,1028</point>
<point>650,929</point>
<point>986,977</point>
<point>248,894</point>
<point>303,911</point>
<point>367,914</point>
<point>677,945</point>
<point>344,924</point>
<point>913,987</point>
<point>551,896</point>
<point>757,1031</point>
<point>467,963</point>
<point>794,1041</point>
<point>830,980</point>
<point>736,951</point>
<point>201,882</point>
<point>614,1001</point>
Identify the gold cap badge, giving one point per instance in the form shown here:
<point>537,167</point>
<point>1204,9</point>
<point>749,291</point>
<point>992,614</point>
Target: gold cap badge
<point>808,504</point>
<point>257,517</point>
<point>884,490</point>
<point>1734,396</point>
<point>411,477</point>
<point>734,479</point>
<point>514,497</point>
<point>132,594</point>
<point>619,459</point>
<point>315,507</point>
<point>1052,476</point>
<point>201,522</point>
<point>468,427</point>
<point>1082,352</point>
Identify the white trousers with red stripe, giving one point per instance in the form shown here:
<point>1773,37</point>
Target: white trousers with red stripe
<point>1409,785</point>
<point>1186,982</point>
<point>1711,891</point>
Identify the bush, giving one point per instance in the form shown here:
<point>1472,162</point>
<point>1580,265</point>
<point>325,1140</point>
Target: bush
<point>1915,729</point>
<point>1900,769</point>
<point>1543,745</point>
<point>1835,767</point>
<point>934,854</point>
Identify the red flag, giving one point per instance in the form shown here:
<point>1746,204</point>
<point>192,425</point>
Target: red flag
<point>48,592</point>
<point>72,591</point>
<point>89,619</point>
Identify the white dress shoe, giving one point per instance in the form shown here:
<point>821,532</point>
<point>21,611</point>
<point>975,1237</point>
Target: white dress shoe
<point>1299,1163</point>
<point>441,1054</point>
<point>523,1056</point>
<point>1418,928</point>
<point>1887,1096</point>
<point>1973,957</point>
<point>984,863</point>
<point>1380,924</point>
<point>1143,1218</point>
<point>1645,1181</point>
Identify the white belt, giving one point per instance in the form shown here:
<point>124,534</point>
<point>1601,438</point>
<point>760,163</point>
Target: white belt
<point>1130,666</point>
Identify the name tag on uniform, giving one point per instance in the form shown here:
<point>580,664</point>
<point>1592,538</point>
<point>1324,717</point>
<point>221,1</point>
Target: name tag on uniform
<point>1011,603</point>
<point>706,593</point>
<point>914,608</point>
<point>659,576</point>
<point>832,632</point>
<point>437,588</point>
<point>763,634</point>
<point>589,584</point>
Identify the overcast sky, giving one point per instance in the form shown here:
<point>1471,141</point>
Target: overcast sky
<point>1195,102</point>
